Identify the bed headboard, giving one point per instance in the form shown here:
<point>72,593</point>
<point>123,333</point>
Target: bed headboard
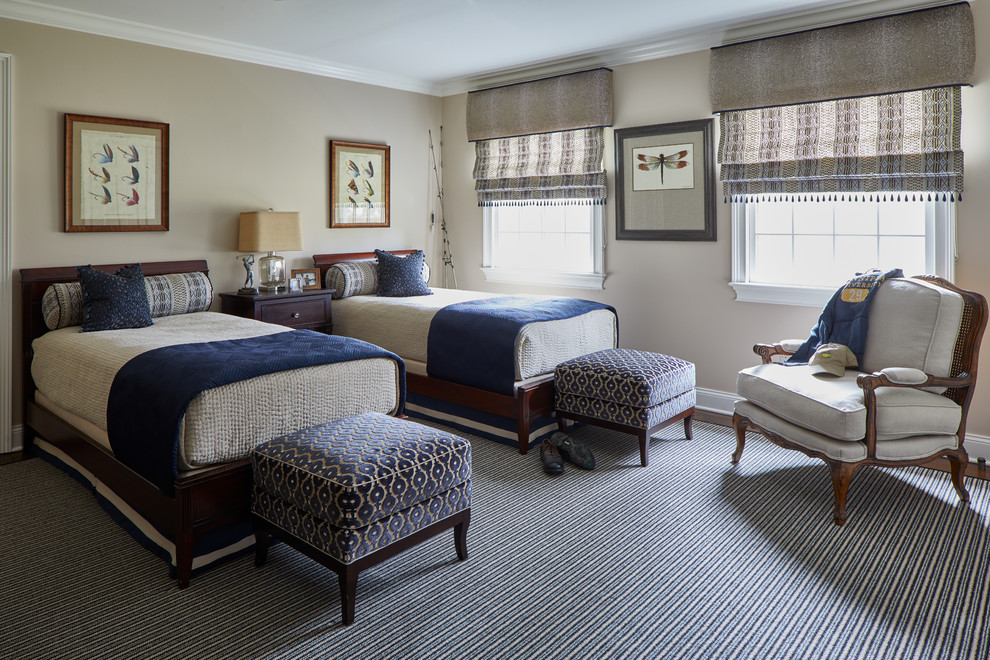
<point>324,261</point>
<point>35,281</point>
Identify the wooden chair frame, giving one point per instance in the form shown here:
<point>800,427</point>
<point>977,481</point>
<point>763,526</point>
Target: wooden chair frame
<point>959,386</point>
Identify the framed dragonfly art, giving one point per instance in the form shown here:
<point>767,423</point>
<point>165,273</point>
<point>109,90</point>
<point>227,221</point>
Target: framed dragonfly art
<point>665,182</point>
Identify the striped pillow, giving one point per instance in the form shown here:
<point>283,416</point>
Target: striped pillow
<point>352,278</point>
<point>178,293</point>
<point>168,295</point>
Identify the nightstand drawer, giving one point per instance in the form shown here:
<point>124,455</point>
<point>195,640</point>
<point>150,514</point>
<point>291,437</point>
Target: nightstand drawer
<point>295,312</point>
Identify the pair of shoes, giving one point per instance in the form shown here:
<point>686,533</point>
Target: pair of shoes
<point>552,463</point>
<point>573,450</point>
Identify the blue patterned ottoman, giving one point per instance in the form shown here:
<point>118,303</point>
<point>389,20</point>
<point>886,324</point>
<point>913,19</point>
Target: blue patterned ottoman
<point>355,492</point>
<point>631,391</point>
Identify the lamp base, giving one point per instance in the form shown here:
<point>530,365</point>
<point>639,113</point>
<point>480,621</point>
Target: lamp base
<point>271,271</point>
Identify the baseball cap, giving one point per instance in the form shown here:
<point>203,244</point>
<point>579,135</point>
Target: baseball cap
<point>832,359</point>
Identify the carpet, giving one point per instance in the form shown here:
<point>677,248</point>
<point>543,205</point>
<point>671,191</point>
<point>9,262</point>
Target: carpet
<point>691,557</point>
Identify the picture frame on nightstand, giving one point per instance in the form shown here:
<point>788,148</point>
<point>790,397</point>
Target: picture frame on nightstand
<point>310,277</point>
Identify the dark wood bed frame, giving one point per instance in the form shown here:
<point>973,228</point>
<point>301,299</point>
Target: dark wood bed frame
<point>530,402</point>
<point>204,501</point>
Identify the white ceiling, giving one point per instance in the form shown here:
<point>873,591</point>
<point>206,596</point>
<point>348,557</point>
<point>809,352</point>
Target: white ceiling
<point>443,47</point>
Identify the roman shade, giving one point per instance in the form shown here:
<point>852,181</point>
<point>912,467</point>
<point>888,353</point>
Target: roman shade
<point>560,103</point>
<point>542,142</point>
<point>866,107</point>
<point>894,143</point>
<point>917,50</point>
<point>548,168</point>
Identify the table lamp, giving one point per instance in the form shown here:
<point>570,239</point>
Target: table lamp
<point>270,231</point>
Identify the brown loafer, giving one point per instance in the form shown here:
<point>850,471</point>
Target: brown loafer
<point>550,455</point>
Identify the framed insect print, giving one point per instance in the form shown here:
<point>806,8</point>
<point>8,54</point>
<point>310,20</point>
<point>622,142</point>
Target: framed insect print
<point>665,182</point>
<point>116,174</point>
<point>359,184</point>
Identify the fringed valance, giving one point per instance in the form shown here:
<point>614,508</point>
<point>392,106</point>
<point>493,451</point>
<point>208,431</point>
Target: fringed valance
<point>882,145</point>
<point>548,168</point>
<point>916,50</point>
<point>560,103</point>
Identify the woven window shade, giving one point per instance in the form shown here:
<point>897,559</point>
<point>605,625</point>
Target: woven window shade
<point>917,50</point>
<point>560,103</point>
<point>905,142</point>
<point>549,168</point>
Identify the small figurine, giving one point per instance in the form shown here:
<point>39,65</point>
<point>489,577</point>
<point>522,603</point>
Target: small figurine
<point>248,289</point>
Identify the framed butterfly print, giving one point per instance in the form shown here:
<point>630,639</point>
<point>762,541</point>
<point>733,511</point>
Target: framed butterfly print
<point>116,174</point>
<point>359,184</point>
<point>665,182</point>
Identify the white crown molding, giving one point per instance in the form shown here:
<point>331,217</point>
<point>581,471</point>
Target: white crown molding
<point>71,19</point>
<point>689,42</point>
<point>711,36</point>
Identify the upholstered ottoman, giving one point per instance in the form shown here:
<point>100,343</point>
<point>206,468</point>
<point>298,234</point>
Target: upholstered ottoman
<point>355,492</point>
<point>635,392</point>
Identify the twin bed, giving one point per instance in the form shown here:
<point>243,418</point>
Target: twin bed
<point>197,512</point>
<point>193,510</point>
<point>519,413</point>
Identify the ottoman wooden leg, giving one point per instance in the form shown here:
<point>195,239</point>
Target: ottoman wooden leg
<point>561,423</point>
<point>460,537</point>
<point>347,579</point>
<point>644,446</point>
<point>688,431</point>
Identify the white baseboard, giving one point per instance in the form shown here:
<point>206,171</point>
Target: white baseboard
<point>977,446</point>
<point>715,401</point>
<point>16,440</point>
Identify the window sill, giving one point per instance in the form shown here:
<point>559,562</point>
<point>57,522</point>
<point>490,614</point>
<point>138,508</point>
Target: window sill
<point>805,296</point>
<point>523,276</point>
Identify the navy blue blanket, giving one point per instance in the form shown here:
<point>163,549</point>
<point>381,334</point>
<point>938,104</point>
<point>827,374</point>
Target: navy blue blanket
<point>150,394</point>
<point>473,343</point>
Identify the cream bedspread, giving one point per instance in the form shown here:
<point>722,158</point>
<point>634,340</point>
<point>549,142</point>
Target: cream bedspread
<point>75,371</point>
<point>402,325</point>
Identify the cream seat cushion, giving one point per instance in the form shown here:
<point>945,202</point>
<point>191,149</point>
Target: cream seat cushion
<point>903,449</point>
<point>834,406</point>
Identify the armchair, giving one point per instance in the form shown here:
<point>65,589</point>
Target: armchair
<point>908,406</point>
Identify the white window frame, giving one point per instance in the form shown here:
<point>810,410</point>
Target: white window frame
<point>593,280</point>
<point>940,220</point>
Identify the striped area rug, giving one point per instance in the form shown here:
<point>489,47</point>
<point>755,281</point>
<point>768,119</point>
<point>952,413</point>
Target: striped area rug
<point>689,558</point>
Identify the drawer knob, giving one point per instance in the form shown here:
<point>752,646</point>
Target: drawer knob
<point>295,315</point>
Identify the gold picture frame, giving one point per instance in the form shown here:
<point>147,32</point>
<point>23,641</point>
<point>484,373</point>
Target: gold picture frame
<point>116,174</point>
<point>359,184</point>
<point>310,277</point>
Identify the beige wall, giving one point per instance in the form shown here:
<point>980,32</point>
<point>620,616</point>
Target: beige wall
<point>243,137</point>
<point>674,297</point>
<point>248,137</point>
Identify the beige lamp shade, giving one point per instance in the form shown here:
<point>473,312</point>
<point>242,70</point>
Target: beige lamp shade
<point>269,231</point>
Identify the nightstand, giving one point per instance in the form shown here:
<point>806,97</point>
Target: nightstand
<point>299,309</point>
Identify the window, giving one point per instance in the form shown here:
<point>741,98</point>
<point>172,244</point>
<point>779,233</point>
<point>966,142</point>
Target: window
<point>801,252</point>
<point>557,244</point>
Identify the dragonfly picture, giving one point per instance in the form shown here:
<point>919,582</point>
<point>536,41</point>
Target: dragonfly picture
<point>662,161</point>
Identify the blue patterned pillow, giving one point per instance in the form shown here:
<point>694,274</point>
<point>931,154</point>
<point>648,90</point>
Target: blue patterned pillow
<point>401,276</point>
<point>113,302</point>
